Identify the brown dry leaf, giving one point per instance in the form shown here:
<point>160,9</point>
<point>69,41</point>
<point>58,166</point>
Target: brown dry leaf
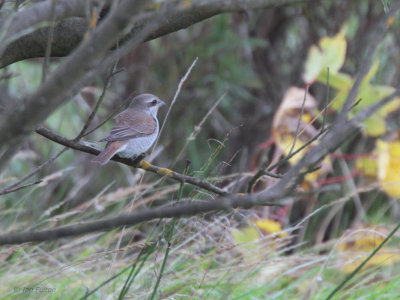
<point>285,124</point>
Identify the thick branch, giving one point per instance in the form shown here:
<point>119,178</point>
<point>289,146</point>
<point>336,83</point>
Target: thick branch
<point>26,20</point>
<point>26,31</point>
<point>69,33</point>
<point>179,210</point>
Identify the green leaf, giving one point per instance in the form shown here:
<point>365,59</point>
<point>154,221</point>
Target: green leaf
<point>247,240</point>
<point>375,126</point>
<point>339,81</point>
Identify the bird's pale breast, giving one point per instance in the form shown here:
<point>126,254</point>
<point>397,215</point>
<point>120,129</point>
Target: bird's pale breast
<point>137,146</point>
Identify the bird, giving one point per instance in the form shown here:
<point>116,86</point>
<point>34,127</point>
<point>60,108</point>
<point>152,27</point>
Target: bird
<point>136,129</point>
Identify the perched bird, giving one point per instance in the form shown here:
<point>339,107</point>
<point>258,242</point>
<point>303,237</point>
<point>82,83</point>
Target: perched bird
<point>135,130</point>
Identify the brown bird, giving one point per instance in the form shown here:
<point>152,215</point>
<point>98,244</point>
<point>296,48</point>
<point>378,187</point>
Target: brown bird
<point>136,129</point>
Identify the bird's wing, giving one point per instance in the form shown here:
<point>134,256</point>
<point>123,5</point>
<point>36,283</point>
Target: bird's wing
<point>131,124</point>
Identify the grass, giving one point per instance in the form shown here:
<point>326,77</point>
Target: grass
<point>194,269</point>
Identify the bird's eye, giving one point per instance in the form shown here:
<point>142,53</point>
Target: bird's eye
<point>154,102</point>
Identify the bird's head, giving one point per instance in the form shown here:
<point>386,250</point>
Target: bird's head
<point>146,102</point>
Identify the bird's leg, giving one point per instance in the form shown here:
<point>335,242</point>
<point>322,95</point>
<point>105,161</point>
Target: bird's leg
<point>138,158</point>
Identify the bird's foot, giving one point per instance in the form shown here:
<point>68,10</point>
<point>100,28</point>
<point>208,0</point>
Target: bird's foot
<point>137,159</point>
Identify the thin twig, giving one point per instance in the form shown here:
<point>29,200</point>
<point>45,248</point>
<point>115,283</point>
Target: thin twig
<point>197,129</point>
<point>373,108</point>
<point>264,171</point>
<point>299,121</point>
<point>11,188</point>
<point>49,40</point>
<point>178,91</point>
<point>96,107</point>
<point>110,116</point>
<point>310,170</point>
<point>8,191</point>
<point>261,171</point>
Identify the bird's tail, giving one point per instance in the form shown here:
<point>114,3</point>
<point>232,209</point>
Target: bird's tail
<point>111,149</point>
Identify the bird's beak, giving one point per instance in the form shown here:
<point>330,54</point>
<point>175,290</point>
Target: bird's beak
<point>162,103</point>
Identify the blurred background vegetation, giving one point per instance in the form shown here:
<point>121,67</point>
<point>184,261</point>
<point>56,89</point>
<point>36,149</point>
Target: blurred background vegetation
<point>253,57</point>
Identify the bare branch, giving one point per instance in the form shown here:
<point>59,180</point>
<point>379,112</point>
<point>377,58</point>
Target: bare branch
<point>84,147</point>
<point>68,34</point>
<point>41,13</point>
<point>179,210</point>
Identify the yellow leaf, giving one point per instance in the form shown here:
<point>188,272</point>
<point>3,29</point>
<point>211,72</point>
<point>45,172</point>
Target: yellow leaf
<point>389,107</point>
<point>314,65</point>
<point>245,235</point>
<point>339,81</point>
<point>394,149</point>
<point>386,258</point>
<point>339,100</point>
<point>369,95</point>
<point>372,71</point>
<point>390,21</point>
<point>307,118</point>
<point>375,126</point>
<point>268,226</point>
<point>247,240</point>
<point>286,121</point>
<point>368,166</point>
<point>186,3</point>
<point>334,51</point>
<point>330,53</point>
<point>285,143</point>
<point>389,167</point>
<point>255,241</point>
